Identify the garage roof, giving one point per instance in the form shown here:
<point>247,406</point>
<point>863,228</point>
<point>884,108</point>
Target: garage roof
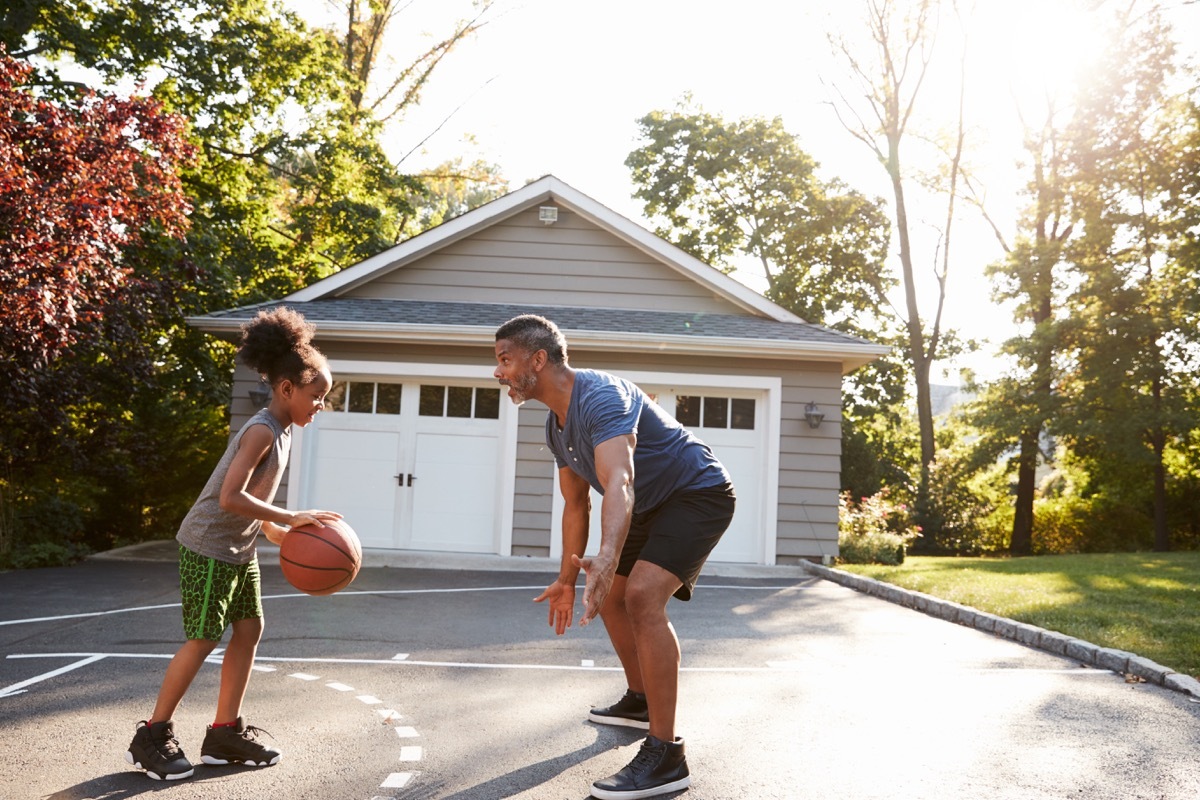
<point>429,322</point>
<point>765,330</point>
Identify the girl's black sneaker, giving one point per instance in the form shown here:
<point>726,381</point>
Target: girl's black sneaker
<point>156,750</point>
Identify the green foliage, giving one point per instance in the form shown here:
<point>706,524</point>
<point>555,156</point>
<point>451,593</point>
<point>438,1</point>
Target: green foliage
<point>45,526</point>
<point>745,190</point>
<point>966,505</point>
<point>873,530</point>
<point>289,185</point>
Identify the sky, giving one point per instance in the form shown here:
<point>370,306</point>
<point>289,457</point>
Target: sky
<point>556,87</point>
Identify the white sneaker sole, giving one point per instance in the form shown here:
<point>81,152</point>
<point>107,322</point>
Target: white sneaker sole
<point>218,762</point>
<point>621,721</point>
<point>638,794</point>
<point>177,776</point>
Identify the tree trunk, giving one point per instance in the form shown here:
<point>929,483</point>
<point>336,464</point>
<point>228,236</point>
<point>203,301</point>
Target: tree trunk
<point>1162,535</point>
<point>1022,530</point>
<point>916,337</point>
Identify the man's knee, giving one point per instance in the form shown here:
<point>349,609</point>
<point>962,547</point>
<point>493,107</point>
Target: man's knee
<point>648,590</point>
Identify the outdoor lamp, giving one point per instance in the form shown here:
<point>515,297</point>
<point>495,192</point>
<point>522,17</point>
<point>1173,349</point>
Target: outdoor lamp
<point>260,394</point>
<point>814,415</point>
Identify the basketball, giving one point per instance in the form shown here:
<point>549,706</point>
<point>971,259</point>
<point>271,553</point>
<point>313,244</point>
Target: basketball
<point>320,560</point>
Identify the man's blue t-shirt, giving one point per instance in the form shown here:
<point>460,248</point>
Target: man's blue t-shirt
<point>667,458</point>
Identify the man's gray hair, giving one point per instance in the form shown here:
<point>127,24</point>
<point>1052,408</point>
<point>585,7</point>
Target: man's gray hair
<point>532,333</point>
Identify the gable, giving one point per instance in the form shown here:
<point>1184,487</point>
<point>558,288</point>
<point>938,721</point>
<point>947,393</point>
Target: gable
<point>572,262</point>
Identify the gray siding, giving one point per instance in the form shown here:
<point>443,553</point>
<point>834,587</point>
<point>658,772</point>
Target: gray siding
<point>535,483</point>
<point>571,262</point>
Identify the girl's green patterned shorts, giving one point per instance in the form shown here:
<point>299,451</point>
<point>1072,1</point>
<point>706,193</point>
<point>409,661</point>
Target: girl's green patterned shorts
<point>216,594</point>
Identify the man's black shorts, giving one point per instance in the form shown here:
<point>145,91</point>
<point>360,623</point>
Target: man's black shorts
<point>679,533</point>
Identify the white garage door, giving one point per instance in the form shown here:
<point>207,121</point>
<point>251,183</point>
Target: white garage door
<point>411,464</point>
<point>733,423</point>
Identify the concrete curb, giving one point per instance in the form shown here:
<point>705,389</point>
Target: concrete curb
<point>1086,653</point>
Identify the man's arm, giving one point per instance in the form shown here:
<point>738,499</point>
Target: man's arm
<point>614,470</point>
<point>576,512</point>
<point>577,509</point>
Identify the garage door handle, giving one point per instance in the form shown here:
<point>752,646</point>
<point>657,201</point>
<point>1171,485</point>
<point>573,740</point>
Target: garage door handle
<point>411,478</point>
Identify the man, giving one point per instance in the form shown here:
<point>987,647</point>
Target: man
<point>666,502</point>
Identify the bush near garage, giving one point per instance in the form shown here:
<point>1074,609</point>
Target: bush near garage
<point>874,530</point>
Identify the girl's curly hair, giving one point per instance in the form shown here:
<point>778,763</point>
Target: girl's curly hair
<point>277,344</point>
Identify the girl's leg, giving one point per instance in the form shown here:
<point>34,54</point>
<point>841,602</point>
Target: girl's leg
<point>180,674</point>
<point>236,666</point>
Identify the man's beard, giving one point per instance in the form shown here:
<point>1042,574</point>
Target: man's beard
<point>521,387</point>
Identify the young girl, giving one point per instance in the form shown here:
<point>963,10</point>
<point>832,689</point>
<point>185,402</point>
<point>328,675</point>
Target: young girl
<point>218,562</point>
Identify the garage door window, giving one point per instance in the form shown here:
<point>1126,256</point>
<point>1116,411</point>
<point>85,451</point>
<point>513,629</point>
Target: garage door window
<point>364,397</point>
<point>696,411</point>
<point>459,401</point>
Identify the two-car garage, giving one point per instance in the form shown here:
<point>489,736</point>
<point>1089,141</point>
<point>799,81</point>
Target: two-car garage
<point>428,462</point>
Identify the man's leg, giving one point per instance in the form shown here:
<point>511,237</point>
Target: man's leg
<point>647,591</point>
<point>620,633</point>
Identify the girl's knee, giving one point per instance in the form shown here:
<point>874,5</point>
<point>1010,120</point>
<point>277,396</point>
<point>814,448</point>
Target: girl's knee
<point>251,628</point>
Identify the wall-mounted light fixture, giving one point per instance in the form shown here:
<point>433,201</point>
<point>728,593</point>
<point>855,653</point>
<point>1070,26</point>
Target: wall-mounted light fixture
<point>260,394</point>
<point>814,415</point>
<point>548,215</point>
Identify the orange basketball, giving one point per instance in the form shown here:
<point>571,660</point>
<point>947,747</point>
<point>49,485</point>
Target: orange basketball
<point>320,560</point>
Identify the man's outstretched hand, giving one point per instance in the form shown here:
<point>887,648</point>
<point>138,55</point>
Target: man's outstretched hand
<point>562,605</point>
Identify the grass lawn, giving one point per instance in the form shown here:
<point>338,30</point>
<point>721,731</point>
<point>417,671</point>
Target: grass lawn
<point>1145,603</point>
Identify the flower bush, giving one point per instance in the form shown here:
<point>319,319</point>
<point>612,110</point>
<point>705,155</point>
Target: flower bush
<point>874,530</point>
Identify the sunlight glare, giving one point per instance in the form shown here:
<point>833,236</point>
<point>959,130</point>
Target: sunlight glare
<point>1035,51</point>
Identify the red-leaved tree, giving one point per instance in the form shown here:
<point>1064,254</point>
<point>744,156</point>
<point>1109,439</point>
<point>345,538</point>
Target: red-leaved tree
<point>80,183</point>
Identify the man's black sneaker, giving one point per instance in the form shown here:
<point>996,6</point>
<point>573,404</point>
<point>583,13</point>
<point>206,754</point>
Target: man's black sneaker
<point>156,750</point>
<point>630,711</point>
<point>658,768</point>
<point>237,744</point>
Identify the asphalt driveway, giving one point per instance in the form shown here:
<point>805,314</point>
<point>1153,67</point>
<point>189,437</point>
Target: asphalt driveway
<point>442,680</point>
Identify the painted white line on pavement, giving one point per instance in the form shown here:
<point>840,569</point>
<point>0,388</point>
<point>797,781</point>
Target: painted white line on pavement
<point>397,780</point>
<point>340,687</point>
<point>407,732</point>
<point>410,753</point>
<point>370,700</point>
<point>88,614</point>
<point>347,593</point>
<point>17,688</point>
<point>772,666</point>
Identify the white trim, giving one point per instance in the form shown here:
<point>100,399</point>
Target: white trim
<point>773,387</point>
<point>506,486</point>
<point>545,188</point>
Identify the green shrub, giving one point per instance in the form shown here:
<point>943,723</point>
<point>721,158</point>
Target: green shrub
<point>874,530</point>
<point>44,527</point>
<point>42,554</point>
